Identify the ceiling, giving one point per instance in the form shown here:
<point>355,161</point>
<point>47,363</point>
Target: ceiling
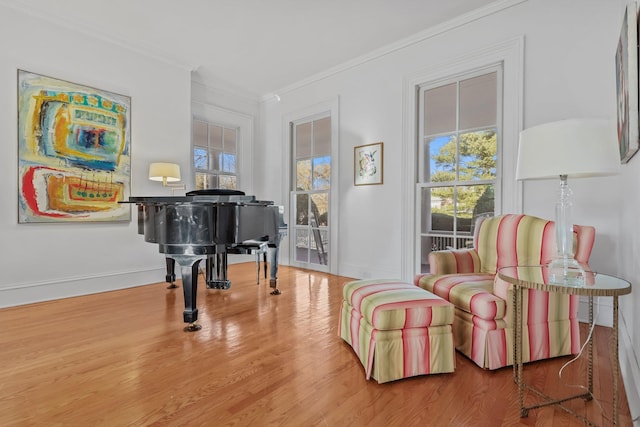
<point>252,47</point>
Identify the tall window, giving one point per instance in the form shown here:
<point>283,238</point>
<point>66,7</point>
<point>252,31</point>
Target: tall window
<point>459,148</point>
<point>312,181</point>
<point>215,156</point>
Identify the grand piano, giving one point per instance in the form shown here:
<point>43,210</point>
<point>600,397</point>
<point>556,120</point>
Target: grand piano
<point>205,224</point>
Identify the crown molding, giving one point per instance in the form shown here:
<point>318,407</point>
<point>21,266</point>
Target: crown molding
<point>145,49</point>
<point>225,90</point>
<point>444,27</point>
<point>176,59</point>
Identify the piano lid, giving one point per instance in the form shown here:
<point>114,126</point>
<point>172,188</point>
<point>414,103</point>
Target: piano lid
<point>216,192</point>
<point>209,195</point>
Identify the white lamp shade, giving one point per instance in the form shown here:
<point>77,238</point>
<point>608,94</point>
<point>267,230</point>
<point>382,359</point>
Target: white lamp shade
<point>165,172</point>
<point>574,147</point>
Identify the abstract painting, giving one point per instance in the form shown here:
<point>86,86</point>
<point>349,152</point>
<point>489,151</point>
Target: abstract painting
<point>368,164</point>
<point>73,152</point>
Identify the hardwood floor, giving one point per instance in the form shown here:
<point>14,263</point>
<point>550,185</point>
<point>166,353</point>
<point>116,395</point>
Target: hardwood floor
<point>121,359</point>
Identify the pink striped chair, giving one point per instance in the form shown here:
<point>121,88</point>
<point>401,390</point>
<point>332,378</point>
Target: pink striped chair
<point>483,324</point>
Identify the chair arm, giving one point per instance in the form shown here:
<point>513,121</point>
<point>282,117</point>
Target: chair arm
<point>454,261</point>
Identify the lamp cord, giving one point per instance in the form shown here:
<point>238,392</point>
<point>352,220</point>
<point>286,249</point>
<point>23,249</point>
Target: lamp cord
<point>591,329</point>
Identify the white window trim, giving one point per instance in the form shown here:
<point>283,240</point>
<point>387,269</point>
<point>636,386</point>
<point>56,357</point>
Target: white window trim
<point>511,54</point>
<point>292,168</point>
<point>421,184</point>
<point>318,110</point>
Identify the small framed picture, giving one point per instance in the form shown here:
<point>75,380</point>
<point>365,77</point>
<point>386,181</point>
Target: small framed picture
<point>368,164</point>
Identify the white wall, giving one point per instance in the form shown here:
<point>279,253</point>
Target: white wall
<point>562,79</point>
<point>626,219</point>
<point>46,261</point>
<point>568,72</point>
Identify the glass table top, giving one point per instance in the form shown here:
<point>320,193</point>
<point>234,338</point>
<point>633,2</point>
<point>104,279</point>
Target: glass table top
<point>580,281</point>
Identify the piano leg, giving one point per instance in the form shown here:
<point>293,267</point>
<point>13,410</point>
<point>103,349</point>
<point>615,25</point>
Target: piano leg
<point>189,271</point>
<point>219,279</point>
<point>210,268</point>
<point>170,278</point>
<point>273,280</point>
<point>264,260</point>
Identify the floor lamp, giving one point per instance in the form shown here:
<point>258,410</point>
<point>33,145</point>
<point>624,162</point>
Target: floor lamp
<point>574,148</point>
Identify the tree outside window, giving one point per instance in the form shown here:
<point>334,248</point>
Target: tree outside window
<point>458,173</point>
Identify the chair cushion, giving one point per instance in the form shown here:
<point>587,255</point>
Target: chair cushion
<point>391,304</point>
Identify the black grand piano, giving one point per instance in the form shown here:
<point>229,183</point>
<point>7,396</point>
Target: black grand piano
<point>205,224</point>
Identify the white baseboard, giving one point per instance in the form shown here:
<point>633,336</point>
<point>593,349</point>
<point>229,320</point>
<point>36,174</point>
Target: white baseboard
<point>29,293</point>
<point>367,271</point>
<point>602,311</point>
<point>630,369</point>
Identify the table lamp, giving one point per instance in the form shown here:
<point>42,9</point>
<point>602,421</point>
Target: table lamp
<point>167,173</point>
<point>576,148</point>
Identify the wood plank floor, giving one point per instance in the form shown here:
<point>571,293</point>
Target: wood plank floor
<point>121,359</point>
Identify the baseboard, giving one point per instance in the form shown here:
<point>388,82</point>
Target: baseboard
<point>630,369</point>
<point>29,293</point>
<point>602,311</point>
<point>367,271</point>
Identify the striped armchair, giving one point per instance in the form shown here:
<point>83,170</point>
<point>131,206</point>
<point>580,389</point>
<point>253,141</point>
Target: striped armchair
<point>483,324</point>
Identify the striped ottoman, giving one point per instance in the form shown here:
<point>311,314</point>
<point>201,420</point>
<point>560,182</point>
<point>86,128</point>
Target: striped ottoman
<point>397,329</point>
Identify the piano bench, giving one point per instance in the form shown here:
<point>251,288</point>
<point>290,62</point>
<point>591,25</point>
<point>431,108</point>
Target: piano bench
<point>397,330</point>
<point>257,247</point>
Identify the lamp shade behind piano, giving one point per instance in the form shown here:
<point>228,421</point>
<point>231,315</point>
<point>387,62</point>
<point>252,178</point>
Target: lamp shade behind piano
<point>165,172</point>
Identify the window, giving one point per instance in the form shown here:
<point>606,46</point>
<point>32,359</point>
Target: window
<point>312,183</point>
<point>458,174</point>
<point>215,156</point>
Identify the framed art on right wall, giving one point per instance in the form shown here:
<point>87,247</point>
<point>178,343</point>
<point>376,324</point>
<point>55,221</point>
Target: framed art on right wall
<point>627,84</point>
<point>367,168</point>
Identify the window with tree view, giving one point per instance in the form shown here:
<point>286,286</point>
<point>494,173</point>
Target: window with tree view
<point>215,156</point>
<point>458,176</point>
<point>312,165</point>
